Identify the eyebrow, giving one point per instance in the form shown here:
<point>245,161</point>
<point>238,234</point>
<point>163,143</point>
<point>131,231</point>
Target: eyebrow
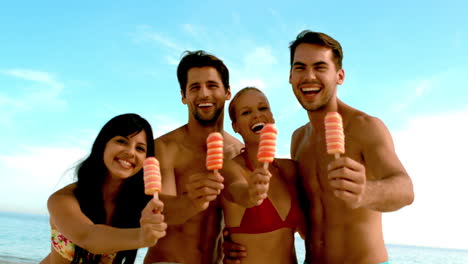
<point>298,63</point>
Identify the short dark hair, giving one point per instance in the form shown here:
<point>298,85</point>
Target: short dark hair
<point>232,104</point>
<point>200,58</point>
<point>322,39</point>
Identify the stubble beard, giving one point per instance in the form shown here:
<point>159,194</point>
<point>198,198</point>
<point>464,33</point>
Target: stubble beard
<point>321,102</point>
<point>208,122</point>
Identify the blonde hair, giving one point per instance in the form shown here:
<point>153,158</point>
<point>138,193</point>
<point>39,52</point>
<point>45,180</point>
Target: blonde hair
<point>232,108</point>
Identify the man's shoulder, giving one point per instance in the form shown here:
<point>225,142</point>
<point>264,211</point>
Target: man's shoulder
<point>172,136</point>
<point>301,131</point>
<point>231,140</point>
<point>364,127</point>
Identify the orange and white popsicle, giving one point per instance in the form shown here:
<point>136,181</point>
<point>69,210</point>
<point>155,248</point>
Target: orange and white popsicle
<point>267,145</point>
<point>215,153</point>
<point>152,176</point>
<point>334,135</point>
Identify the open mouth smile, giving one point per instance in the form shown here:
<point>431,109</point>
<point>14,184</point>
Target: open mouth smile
<point>205,105</point>
<point>257,127</point>
<point>310,91</point>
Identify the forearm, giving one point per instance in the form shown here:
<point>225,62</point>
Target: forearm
<point>239,193</point>
<point>103,239</point>
<point>388,194</point>
<point>178,209</point>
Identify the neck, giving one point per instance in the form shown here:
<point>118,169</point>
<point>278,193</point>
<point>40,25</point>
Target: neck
<point>316,117</point>
<point>198,132</point>
<point>111,188</point>
<point>251,150</point>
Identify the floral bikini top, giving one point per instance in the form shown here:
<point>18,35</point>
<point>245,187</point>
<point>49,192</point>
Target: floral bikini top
<point>66,248</point>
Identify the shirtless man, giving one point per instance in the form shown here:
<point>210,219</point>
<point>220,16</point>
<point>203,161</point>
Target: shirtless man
<point>345,197</point>
<point>190,192</point>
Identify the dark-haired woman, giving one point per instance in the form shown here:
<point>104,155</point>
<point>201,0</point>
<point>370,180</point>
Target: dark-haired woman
<point>104,217</point>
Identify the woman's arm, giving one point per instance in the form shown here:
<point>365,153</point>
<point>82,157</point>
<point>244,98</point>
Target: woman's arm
<point>67,217</point>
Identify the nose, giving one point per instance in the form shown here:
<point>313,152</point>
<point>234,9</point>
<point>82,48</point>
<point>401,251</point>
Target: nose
<point>130,151</point>
<point>255,114</point>
<point>310,74</point>
<point>204,91</point>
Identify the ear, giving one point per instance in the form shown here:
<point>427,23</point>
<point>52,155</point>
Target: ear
<point>184,100</point>
<point>341,76</point>
<point>290,76</point>
<point>228,93</point>
<point>234,127</point>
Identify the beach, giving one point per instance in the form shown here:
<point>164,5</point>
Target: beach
<point>24,239</point>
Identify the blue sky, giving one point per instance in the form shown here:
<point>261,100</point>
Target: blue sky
<point>68,67</point>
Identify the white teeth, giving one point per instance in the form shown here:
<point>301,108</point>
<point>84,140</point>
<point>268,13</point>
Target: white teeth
<point>310,89</point>
<point>125,163</point>
<point>257,127</point>
<point>205,104</point>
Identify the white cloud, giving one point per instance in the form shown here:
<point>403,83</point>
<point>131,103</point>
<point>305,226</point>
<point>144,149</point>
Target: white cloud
<point>163,124</point>
<point>433,150</point>
<point>35,76</point>
<point>235,87</point>
<point>191,29</point>
<point>146,33</point>
<point>29,177</point>
<point>260,58</point>
<point>42,91</point>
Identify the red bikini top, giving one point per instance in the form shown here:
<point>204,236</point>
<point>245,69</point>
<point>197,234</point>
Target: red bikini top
<point>264,218</point>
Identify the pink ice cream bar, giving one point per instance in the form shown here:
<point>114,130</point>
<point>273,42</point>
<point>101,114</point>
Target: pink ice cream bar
<point>152,176</point>
<point>215,153</point>
<point>267,145</point>
<point>334,135</point>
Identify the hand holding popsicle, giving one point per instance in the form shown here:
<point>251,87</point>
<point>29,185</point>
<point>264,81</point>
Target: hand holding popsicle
<point>267,145</point>
<point>152,177</point>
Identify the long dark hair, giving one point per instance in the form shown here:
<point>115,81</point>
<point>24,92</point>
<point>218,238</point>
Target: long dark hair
<point>91,174</point>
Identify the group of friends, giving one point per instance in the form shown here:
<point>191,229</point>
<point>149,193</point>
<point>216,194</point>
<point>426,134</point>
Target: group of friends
<point>243,213</point>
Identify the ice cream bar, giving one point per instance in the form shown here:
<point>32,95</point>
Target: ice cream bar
<point>267,145</point>
<point>334,135</point>
<point>152,176</point>
<point>215,153</point>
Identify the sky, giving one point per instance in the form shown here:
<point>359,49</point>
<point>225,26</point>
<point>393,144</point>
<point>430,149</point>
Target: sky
<point>67,67</point>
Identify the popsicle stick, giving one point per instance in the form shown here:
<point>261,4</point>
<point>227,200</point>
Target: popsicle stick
<point>337,155</point>
<point>156,195</point>
<point>265,165</point>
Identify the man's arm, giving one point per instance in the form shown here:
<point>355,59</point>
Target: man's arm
<point>201,188</point>
<point>383,183</point>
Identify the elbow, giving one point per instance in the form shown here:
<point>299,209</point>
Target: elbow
<point>410,196</point>
<point>407,198</point>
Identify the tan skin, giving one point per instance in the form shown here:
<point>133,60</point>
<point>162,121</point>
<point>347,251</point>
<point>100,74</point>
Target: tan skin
<point>345,196</point>
<point>123,156</point>
<point>252,109</point>
<point>190,191</point>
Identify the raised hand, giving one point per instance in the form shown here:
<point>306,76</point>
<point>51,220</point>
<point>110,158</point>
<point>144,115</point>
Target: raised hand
<point>203,188</point>
<point>152,225</point>
<point>347,178</point>
<point>259,183</point>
